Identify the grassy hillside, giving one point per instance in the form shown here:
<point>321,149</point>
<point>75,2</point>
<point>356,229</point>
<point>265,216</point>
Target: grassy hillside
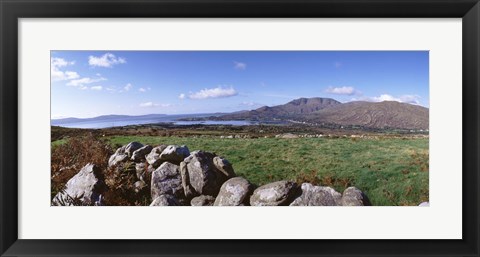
<point>392,171</point>
<point>374,115</point>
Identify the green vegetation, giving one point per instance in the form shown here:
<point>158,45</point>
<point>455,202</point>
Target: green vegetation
<point>391,171</point>
<point>58,142</point>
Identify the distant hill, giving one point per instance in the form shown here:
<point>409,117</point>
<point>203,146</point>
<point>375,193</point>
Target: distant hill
<point>323,111</point>
<point>290,110</point>
<point>104,118</point>
<point>388,114</point>
<point>374,115</point>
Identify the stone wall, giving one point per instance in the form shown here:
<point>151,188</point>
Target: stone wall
<point>177,177</point>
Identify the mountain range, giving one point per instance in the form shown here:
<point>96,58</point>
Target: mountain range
<point>112,117</point>
<point>387,114</point>
<point>316,110</point>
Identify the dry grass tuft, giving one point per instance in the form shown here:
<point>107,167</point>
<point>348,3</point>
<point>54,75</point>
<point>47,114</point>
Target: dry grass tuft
<point>68,158</point>
<point>121,191</point>
<point>76,152</point>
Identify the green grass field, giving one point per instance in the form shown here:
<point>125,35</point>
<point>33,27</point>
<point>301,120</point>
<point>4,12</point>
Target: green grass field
<point>391,171</point>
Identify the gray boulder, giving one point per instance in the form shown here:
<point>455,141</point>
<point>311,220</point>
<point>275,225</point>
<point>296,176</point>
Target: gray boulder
<point>167,180</point>
<point>132,147</point>
<point>123,153</point>
<point>424,204</point>
<point>118,157</point>
<point>165,200</point>
<point>204,177</point>
<point>317,196</point>
<point>143,171</point>
<point>352,196</point>
<point>224,166</point>
<point>153,158</point>
<point>234,192</point>
<point>274,194</point>
<point>139,154</point>
<point>139,186</point>
<point>187,188</point>
<point>174,154</point>
<point>140,169</point>
<point>203,200</point>
<point>85,188</point>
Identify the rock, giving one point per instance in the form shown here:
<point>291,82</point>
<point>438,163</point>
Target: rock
<point>140,169</point>
<point>224,166</point>
<point>85,188</point>
<point>99,202</point>
<point>139,186</point>
<point>165,200</point>
<point>204,177</point>
<point>150,170</point>
<point>139,154</point>
<point>424,204</point>
<point>174,154</point>
<point>153,158</point>
<point>132,147</point>
<point>352,196</point>
<point>123,153</point>
<point>187,188</point>
<point>274,194</point>
<point>167,180</point>
<point>317,196</point>
<point>118,157</point>
<point>203,200</point>
<point>288,136</point>
<point>234,192</point>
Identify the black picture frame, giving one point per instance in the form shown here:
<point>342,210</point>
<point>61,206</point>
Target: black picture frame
<point>12,10</point>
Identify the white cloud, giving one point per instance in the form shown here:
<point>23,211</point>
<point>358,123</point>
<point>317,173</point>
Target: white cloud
<point>127,87</point>
<point>98,88</point>
<point>239,65</point>
<point>147,104</point>
<point>107,60</point>
<point>337,64</point>
<point>341,90</point>
<point>71,75</point>
<point>83,81</point>
<point>181,96</point>
<point>60,62</point>
<point>144,89</point>
<point>218,92</point>
<point>152,104</point>
<point>410,99</point>
<point>385,97</point>
<point>56,74</point>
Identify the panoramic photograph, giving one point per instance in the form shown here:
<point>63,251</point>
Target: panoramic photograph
<point>239,128</point>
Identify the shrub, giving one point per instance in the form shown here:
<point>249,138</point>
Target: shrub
<point>121,190</point>
<point>68,158</point>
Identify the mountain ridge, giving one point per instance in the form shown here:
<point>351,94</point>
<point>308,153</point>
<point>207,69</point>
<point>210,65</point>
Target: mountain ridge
<point>315,110</point>
<point>291,109</point>
<point>386,114</point>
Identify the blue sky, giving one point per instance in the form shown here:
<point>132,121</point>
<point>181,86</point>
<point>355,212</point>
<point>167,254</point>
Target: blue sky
<point>93,83</point>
